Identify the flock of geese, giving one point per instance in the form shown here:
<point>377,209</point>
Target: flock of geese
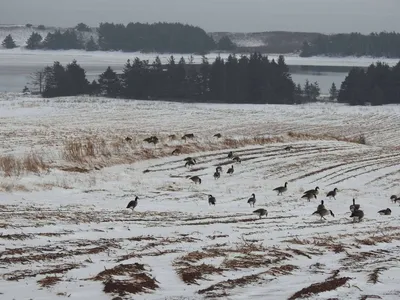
<point>356,213</point>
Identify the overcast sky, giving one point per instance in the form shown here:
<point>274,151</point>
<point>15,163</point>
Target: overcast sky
<point>327,16</point>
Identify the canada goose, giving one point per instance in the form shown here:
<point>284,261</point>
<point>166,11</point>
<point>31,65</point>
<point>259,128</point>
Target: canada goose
<point>211,200</point>
<point>281,189</point>
<point>386,212</point>
<point>188,136</point>
<point>218,169</point>
<point>261,212</point>
<point>133,203</point>
<point>288,148</point>
<point>176,151</point>
<point>230,170</point>
<point>321,206</point>
<point>190,158</point>
<point>332,194</point>
<point>394,198</point>
<point>190,163</point>
<point>217,175</point>
<point>217,135</point>
<point>314,191</point>
<point>354,206</point>
<point>196,179</point>
<point>230,154</point>
<point>152,139</point>
<point>128,139</point>
<point>252,200</point>
<point>309,196</point>
<point>323,212</point>
<point>357,215</point>
<point>237,159</point>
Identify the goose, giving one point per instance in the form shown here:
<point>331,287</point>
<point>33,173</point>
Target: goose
<point>354,206</point>
<point>332,194</point>
<point>357,215</point>
<point>309,196</point>
<point>128,139</point>
<point>211,200</point>
<point>261,212</point>
<point>189,158</point>
<point>288,148</point>
<point>281,189</point>
<point>217,175</point>
<point>152,139</point>
<point>176,151</point>
<point>190,163</point>
<point>217,135</point>
<point>188,136</point>
<point>230,170</point>
<point>237,159</point>
<point>314,191</point>
<point>394,198</point>
<point>218,169</point>
<point>230,154</point>
<point>321,206</point>
<point>323,212</point>
<point>133,203</point>
<point>252,200</point>
<point>196,179</point>
<point>386,212</point>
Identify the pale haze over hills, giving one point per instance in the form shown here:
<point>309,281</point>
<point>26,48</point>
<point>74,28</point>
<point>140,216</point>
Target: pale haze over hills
<point>328,16</point>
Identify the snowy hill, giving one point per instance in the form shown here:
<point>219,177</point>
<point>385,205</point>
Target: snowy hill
<point>66,231</point>
<point>21,33</point>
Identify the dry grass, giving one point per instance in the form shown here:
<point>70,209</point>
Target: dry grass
<point>316,288</point>
<point>325,242</point>
<point>219,289</point>
<point>111,151</point>
<point>15,166</point>
<point>365,297</point>
<point>49,281</point>
<point>21,274</point>
<point>374,276</point>
<point>138,281</point>
<point>190,274</point>
<point>308,136</point>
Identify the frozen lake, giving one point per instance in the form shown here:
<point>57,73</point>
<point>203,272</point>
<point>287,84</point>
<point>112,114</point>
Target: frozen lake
<point>17,64</point>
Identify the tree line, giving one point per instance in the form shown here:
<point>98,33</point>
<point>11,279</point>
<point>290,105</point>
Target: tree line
<point>245,79</point>
<point>378,85</point>
<point>157,37</point>
<point>383,44</point>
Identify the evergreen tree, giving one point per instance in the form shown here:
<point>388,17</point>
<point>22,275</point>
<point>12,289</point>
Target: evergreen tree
<point>82,27</point>
<point>34,41</point>
<point>56,81</point>
<point>315,91</point>
<point>226,44</point>
<point>78,84</point>
<point>218,80</point>
<point>204,77</point>
<point>333,92</point>
<point>8,42</point>
<point>307,90</point>
<point>306,50</point>
<point>91,45</point>
<point>110,84</point>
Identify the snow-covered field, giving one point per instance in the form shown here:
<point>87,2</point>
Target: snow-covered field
<point>68,234</point>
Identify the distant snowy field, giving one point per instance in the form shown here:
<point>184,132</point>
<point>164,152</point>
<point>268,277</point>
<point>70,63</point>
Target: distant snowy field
<point>68,235</point>
<point>22,56</point>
